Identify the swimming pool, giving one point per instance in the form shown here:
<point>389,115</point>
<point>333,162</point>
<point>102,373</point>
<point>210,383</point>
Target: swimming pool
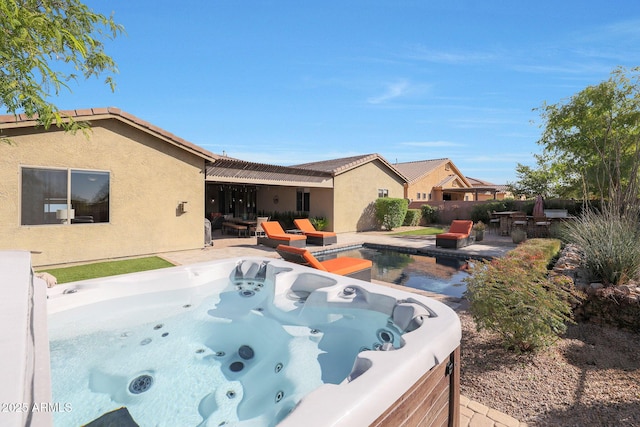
<point>440,274</point>
<point>251,342</point>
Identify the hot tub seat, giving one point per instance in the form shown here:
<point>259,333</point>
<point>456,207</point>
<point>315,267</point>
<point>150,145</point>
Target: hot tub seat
<point>275,236</point>
<point>351,267</point>
<point>458,236</point>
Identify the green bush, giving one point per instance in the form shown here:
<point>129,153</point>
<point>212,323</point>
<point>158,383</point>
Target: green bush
<point>480,212</point>
<point>412,218</point>
<point>390,212</point>
<point>514,297</point>
<point>429,213</point>
<point>610,244</point>
<point>319,222</point>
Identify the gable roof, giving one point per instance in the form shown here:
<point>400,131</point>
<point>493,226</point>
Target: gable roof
<point>93,114</point>
<point>416,170</point>
<point>479,182</point>
<point>344,164</point>
<point>487,185</point>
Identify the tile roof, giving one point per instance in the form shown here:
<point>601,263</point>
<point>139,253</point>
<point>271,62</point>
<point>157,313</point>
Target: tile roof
<point>416,170</point>
<point>344,164</point>
<point>92,114</point>
<point>478,182</point>
<point>487,185</point>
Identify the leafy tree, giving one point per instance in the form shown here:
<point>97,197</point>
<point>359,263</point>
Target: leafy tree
<point>594,139</point>
<point>44,44</point>
<point>534,181</point>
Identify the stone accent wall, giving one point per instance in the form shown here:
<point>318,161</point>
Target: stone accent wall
<point>617,306</point>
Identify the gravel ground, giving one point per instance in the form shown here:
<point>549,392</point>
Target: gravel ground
<point>590,378</point>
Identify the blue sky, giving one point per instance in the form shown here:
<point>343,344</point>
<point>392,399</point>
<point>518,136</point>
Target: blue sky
<point>287,82</point>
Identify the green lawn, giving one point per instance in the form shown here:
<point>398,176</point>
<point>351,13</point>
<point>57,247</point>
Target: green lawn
<point>110,268</point>
<point>424,231</point>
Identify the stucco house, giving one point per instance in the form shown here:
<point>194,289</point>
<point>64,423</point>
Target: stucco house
<point>129,189</point>
<point>434,180</point>
<point>133,189</point>
<point>486,190</point>
<point>341,190</point>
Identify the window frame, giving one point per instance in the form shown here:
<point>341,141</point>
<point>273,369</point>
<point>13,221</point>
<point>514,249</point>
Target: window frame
<point>69,171</point>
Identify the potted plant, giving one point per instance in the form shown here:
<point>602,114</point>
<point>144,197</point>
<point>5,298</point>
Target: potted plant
<point>518,235</point>
<point>479,228</point>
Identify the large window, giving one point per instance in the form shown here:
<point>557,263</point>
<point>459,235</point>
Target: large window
<point>64,196</point>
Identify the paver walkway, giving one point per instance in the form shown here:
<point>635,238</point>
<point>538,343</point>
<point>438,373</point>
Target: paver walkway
<point>472,414</point>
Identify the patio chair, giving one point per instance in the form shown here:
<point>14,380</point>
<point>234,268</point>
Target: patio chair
<point>458,236</point>
<point>519,220</point>
<point>541,226</point>
<point>314,236</point>
<point>355,268</point>
<point>275,236</point>
<point>258,230</point>
<point>494,222</point>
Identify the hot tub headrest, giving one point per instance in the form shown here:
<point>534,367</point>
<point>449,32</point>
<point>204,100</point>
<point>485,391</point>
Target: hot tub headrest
<point>409,316</point>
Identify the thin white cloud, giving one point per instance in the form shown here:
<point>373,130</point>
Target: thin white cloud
<point>393,91</point>
<point>422,53</point>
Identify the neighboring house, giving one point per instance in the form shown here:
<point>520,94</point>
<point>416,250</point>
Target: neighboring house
<point>341,190</point>
<point>485,190</point>
<point>434,180</point>
<point>129,189</point>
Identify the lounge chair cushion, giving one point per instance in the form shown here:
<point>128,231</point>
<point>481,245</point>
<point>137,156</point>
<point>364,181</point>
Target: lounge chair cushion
<point>459,235</point>
<point>343,265</point>
<point>459,229</point>
<point>274,231</point>
<point>308,229</point>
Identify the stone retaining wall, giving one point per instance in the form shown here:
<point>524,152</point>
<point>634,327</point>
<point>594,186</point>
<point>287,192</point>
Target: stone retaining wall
<point>618,306</point>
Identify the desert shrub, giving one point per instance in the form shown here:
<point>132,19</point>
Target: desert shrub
<point>319,222</point>
<point>514,297</point>
<point>390,212</point>
<point>412,217</point>
<point>429,213</point>
<point>610,244</point>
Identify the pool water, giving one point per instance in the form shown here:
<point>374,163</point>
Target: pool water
<point>438,274</point>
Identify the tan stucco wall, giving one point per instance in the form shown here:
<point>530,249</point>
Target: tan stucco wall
<point>321,205</point>
<point>355,192</point>
<point>148,177</point>
<point>321,201</point>
<point>425,185</point>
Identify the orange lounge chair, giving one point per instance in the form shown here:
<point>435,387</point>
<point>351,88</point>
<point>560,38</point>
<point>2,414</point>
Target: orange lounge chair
<point>275,236</point>
<point>459,235</point>
<point>351,267</point>
<point>314,236</point>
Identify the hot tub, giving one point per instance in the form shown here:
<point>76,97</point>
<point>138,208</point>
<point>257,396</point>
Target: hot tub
<point>251,342</point>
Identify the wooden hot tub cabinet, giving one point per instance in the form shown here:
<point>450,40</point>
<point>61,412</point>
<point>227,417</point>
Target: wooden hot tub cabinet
<point>434,400</point>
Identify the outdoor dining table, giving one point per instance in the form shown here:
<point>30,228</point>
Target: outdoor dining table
<point>505,221</point>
